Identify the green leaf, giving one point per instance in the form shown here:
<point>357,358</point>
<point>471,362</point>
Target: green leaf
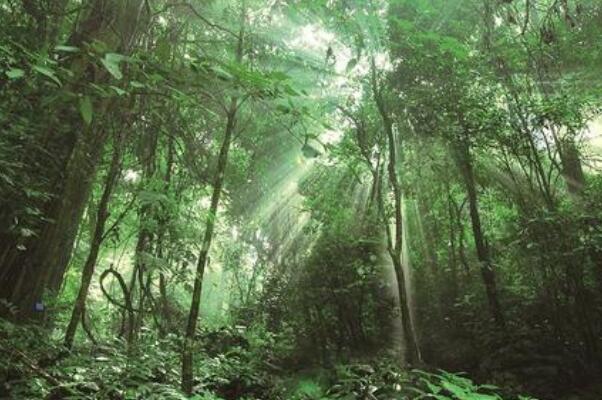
<point>432,387</point>
<point>489,387</point>
<point>454,389</point>
<point>15,73</point>
<point>47,73</point>
<point>119,91</point>
<point>66,49</point>
<point>85,109</point>
<point>111,63</point>
<point>136,84</point>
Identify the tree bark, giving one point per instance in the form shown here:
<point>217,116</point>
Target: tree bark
<point>97,239</point>
<point>28,276</point>
<point>146,230</point>
<point>394,242</point>
<point>206,245</point>
<point>463,158</point>
<point>164,301</point>
<point>54,245</point>
<point>222,162</point>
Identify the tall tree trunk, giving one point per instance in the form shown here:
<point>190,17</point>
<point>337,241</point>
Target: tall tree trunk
<point>27,276</point>
<point>53,251</point>
<point>164,301</point>
<point>463,158</point>
<point>394,241</point>
<point>428,232</point>
<point>97,239</point>
<point>220,173</point>
<point>148,159</point>
<point>452,261</point>
<point>206,245</point>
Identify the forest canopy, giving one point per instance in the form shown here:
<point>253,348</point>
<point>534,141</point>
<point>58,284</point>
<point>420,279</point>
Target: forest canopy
<point>301,199</point>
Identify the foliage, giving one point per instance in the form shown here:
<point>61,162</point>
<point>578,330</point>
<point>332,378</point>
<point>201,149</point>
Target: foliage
<point>245,199</point>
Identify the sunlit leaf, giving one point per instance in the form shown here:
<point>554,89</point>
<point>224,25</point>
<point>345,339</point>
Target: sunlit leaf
<point>111,63</point>
<point>118,90</point>
<point>66,49</point>
<point>47,73</point>
<point>15,73</point>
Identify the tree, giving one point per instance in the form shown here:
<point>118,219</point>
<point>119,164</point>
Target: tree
<point>29,275</point>
<point>220,173</point>
<point>99,235</point>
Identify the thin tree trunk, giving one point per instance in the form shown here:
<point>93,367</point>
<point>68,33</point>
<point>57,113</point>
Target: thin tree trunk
<point>222,162</point>
<point>97,239</point>
<point>463,158</point>
<point>164,301</point>
<point>451,251</point>
<point>206,245</point>
<point>427,232</point>
<point>146,236</point>
<point>395,244</point>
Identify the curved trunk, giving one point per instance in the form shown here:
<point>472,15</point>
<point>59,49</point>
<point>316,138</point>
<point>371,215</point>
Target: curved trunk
<point>97,239</point>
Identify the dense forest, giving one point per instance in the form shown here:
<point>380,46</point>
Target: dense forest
<point>301,199</point>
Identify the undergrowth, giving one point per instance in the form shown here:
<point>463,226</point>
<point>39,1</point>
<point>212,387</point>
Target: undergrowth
<point>233,364</point>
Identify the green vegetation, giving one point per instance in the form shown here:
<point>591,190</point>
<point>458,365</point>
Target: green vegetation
<point>300,199</point>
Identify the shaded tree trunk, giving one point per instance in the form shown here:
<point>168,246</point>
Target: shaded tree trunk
<point>464,161</point>
<point>164,301</point>
<point>28,276</point>
<point>96,242</point>
<point>54,246</point>
<point>205,246</point>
